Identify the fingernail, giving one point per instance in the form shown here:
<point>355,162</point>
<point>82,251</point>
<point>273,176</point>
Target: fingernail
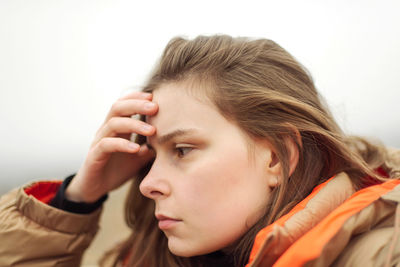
<point>145,93</point>
<point>133,145</point>
<point>149,105</point>
<point>147,127</point>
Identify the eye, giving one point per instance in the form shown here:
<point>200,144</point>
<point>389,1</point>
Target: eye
<point>181,151</point>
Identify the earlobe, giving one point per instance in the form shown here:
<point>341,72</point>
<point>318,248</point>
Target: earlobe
<point>273,182</point>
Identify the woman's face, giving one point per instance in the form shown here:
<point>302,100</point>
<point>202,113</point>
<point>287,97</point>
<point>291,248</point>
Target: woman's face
<point>207,188</point>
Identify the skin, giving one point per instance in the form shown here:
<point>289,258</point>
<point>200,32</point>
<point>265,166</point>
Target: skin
<point>204,178</point>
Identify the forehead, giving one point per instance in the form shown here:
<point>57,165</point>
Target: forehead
<point>180,107</point>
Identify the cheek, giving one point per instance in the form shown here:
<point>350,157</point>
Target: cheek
<point>211,180</point>
<point>221,202</point>
<point>219,195</point>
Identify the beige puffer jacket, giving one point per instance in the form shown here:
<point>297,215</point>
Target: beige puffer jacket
<point>314,233</point>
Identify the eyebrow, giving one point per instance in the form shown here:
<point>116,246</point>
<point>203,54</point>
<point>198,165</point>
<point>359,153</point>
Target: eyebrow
<point>167,137</point>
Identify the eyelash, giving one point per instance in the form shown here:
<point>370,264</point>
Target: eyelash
<point>179,149</point>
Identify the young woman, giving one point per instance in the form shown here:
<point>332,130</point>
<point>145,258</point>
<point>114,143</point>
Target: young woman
<point>236,162</point>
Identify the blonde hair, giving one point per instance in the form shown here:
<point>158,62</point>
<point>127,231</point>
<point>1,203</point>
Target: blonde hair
<point>259,86</point>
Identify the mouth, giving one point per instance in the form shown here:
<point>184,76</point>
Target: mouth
<point>165,222</point>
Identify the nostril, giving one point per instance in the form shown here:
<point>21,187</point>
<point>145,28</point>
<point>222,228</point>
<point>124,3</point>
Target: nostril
<point>155,193</point>
<point>150,190</point>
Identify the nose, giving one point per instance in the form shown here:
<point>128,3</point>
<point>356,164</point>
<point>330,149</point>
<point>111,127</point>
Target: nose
<point>153,185</point>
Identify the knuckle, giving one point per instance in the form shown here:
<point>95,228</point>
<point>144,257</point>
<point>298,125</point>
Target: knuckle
<point>115,105</point>
<point>102,144</point>
<point>108,143</point>
<point>112,123</point>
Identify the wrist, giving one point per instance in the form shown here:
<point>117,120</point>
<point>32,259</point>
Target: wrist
<point>77,205</point>
<point>72,193</point>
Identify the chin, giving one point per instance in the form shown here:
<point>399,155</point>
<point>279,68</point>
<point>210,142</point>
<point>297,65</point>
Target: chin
<point>184,250</point>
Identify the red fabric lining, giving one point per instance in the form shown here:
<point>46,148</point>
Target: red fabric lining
<point>382,172</point>
<point>43,191</point>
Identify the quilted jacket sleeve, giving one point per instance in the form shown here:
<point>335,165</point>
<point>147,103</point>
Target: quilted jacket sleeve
<point>33,233</point>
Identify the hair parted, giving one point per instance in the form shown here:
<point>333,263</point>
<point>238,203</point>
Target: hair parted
<point>262,89</point>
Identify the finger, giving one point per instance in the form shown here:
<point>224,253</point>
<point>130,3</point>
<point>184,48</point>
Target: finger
<point>145,151</point>
<point>145,155</point>
<point>103,149</point>
<point>122,125</point>
<point>137,95</point>
<point>129,107</point>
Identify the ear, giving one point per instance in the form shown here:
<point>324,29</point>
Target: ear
<point>274,170</point>
<point>274,165</point>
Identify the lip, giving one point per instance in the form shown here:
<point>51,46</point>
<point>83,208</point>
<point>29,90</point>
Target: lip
<point>165,222</point>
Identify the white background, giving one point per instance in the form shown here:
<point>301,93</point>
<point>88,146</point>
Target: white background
<point>64,62</point>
